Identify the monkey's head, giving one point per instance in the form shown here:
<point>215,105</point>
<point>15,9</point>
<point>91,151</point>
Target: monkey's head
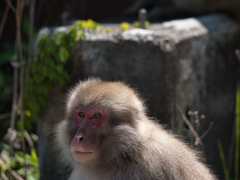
<point>96,113</point>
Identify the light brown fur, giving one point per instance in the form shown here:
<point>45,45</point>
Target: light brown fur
<point>132,146</point>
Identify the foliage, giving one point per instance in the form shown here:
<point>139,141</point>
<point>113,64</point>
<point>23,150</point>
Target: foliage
<point>136,24</point>
<point>12,164</point>
<point>221,153</point>
<point>125,26</point>
<point>237,141</point>
<point>47,70</point>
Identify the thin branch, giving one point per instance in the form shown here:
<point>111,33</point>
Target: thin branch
<point>11,6</point>
<point>15,85</point>
<point>4,19</point>
<point>198,141</point>
<point>29,140</point>
<point>237,52</point>
<point>187,122</point>
<point>18,21</point>
<point>30,48</point>
<point>197,121</point>
<point>4,176</point>
<point>207,131</point>
<point>4,116</point>
<point>10,170</point>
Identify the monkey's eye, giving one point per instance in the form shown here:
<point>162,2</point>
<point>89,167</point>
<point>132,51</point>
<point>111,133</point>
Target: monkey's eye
<point>97,116</point>
<point>81,114</point>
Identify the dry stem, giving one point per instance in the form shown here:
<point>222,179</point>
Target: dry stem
<point>198,139</point>
<point>4,19</point>
<point>10,170</point>
<point>11,6</point>
<point>4,116</point>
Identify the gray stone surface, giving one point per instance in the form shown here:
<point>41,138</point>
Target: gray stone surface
<point>190,62</point>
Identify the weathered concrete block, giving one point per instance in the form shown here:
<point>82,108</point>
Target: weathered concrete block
<point>190,62</point>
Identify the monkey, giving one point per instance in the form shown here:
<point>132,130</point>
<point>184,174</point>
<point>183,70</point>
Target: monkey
<point>106,135</point>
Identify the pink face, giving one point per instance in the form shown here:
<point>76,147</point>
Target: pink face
<point>88,121</point>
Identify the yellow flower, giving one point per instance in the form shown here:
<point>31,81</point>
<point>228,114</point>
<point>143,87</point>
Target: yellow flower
<point>124,26</point>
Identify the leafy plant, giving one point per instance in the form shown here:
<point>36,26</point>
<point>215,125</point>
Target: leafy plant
<point>221,153</point>
<point>237,142</point>
<point>48,70</point>
<point>15,164</point>
<point>136,24</point>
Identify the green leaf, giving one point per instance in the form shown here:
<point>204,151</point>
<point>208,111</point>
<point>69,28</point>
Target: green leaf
<point>43,88</point>
<point>224,165</point>
<point>59,68</point>
<point>19,156</point>
<point>65,74</point>
<point>38,78</point>
<point>34,155</point>
<point>41,41</point>
<point>56,55</point>
<point>33,68</point>
<point>21,171</point>
<point>61,80</point>
<point>28,125</point>
<point>58,38</point>
<point>34,137</point>
<point>25,25</point>
<point>52,75</point>
<point>64,55</point>
<point>49,62</point>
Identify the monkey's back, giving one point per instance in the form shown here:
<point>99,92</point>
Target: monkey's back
<point>167,157</point>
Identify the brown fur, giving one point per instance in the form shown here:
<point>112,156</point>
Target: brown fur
<point>131,146</point>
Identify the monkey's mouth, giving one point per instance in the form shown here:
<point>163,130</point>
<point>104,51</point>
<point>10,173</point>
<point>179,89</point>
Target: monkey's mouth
<point>83,156</point>
<point>79,152</point>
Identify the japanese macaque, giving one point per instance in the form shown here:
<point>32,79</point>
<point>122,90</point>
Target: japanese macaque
<point>106,135</point>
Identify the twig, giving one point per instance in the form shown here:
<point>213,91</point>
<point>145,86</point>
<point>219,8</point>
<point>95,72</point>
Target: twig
<point>4,19</point>
<point>4,176</point>
<point>207,131</point>
<point>15,85</point>
<point>31,16</point>
<point>237,52</point>
<point>18,22</point>
<point>11,6</point>
<point>4,116</point>
<point>29,140</point>
<point>197,121</point>
<point>10,170</point>
<point>187,122</point>
<point>198,140</point>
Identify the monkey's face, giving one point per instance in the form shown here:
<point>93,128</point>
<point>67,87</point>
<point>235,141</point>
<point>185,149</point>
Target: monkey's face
<point>87,122</point>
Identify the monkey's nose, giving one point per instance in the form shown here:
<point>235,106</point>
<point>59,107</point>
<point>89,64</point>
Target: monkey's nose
<point>80,137</point>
